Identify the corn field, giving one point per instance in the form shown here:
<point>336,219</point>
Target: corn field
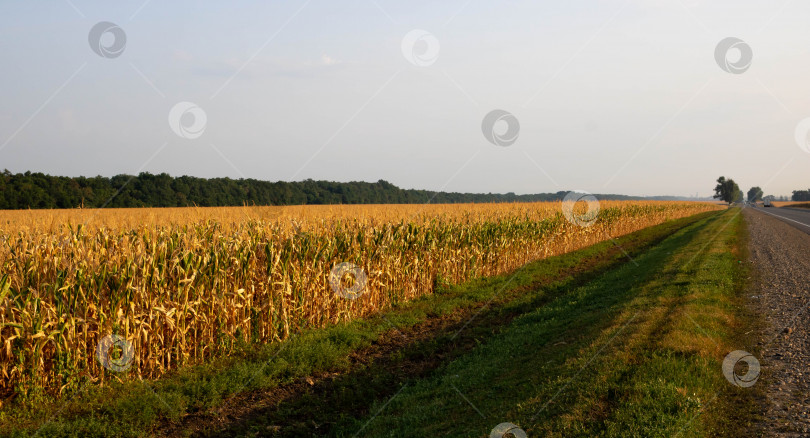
<point>181,286</point>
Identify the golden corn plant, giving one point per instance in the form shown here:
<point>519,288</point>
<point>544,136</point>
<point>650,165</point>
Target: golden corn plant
<point>184,285</point>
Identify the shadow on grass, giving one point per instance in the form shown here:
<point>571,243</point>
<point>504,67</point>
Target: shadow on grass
<point>587,363</point>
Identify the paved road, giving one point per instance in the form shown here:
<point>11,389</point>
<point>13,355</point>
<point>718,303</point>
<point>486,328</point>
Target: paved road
<point>798,217</point>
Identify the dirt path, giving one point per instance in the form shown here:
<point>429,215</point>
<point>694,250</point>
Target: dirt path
<point>781,255</point>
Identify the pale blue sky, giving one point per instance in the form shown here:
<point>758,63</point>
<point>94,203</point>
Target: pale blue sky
<point>612,96</point>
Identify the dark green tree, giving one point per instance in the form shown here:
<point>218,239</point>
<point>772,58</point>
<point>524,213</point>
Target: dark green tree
<point>754,194</point>
<point>727,190</point>
<point>801,195</point>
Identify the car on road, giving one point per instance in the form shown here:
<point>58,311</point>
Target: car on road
<point>767,203</point>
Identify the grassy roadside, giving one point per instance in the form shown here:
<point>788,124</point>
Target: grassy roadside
<point>136,408</point>
<point>637,352</point>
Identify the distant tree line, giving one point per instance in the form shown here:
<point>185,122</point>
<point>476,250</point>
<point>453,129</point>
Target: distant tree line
<point>728,191</point>
<point>38,190</point>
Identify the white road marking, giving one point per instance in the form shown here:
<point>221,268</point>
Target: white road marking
<point>785,218</point>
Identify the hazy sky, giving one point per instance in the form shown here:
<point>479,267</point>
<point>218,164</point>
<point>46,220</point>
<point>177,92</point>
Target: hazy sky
<point>611,96</point>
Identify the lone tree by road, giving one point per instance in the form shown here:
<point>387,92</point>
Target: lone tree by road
<point>727,190</point>
<point>754,194</point>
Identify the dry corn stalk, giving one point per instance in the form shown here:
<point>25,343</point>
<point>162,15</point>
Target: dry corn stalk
<point>184,285</point>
